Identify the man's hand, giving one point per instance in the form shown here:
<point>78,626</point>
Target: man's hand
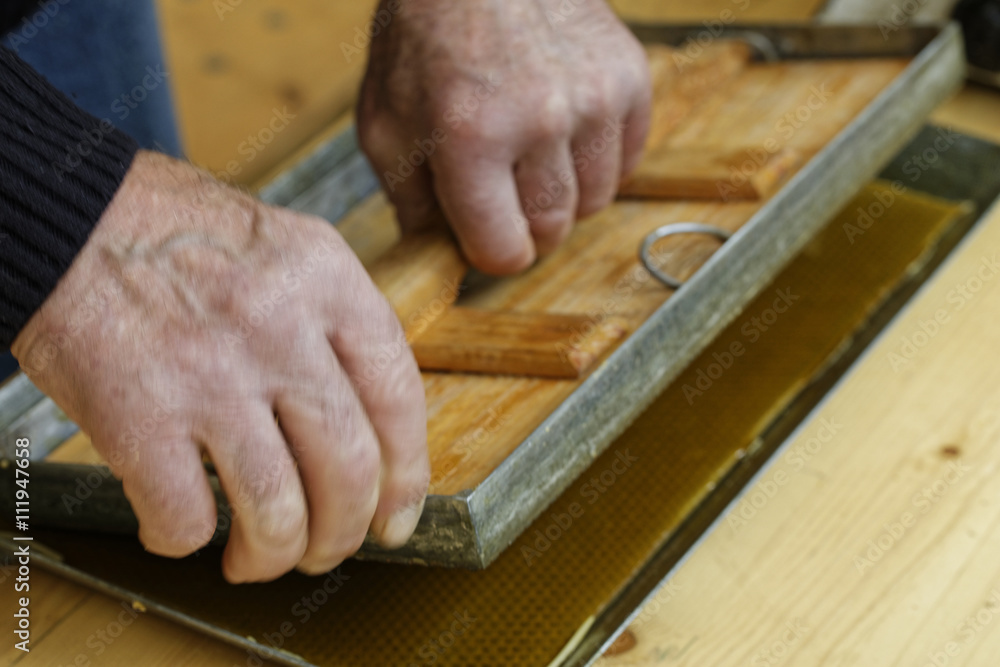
<point>198,320</point>
<point>515,117</point>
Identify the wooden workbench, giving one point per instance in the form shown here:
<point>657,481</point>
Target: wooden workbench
<point>878,545</point>
<point>796,579</point>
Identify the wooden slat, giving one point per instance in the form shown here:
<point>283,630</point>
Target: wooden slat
<point>717,11</point>
<point>682,82</point>
<point>515,343</point>
<point>692,173</point>
<point>421,276</point>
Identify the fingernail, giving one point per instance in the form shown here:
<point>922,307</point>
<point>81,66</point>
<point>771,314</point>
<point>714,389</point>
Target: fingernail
<point>400,526</point>
<point>312,570</point>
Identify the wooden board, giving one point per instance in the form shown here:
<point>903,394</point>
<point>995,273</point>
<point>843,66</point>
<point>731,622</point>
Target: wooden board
<point>728,11</point>
<point>681,84</point>
<point>515,343</point>
<point>238,64</point>
<point>475,422</point>
<point>749,173</point>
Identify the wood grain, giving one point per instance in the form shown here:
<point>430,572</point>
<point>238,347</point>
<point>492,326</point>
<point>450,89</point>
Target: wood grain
<point>717,11</point>
<point>877,543</point>
<point>692,173</point>
<point>420,276</point>
<point>596,273</point>
<point>237,65</point>
<point>156,641</point>
<point>515,343</point>
<point>802,561</point>
<point>682,81</point>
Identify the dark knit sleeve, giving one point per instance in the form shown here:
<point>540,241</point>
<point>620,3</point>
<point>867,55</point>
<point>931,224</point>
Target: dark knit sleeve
<point>59,169</point>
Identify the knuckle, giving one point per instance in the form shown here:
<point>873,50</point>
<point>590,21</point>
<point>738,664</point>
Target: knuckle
<point>475,132</point>
<point>552,116</point>
<point>598,97</point>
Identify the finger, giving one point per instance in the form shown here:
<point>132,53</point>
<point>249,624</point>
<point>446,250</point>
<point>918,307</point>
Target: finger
<point>339,461</point>
<point>376,357</point>
<point>401,167</point>
<point>413,198</point>
<point>170,495</point>
<point>637,126</point>
<point>258,475</point>
<point>479,197</point>
<point>546,183</point>
<point>597,156</point>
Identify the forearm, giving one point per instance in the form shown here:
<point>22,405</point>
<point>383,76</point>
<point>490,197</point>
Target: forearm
<point>59,169</point>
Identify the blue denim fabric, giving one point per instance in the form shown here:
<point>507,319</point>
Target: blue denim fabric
<point>106,55</point>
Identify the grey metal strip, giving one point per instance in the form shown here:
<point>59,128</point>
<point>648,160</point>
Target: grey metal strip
<point>44,424</point>
<point>16,397</point>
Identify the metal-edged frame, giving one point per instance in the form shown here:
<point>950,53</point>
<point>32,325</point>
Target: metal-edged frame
<point>472,528</point>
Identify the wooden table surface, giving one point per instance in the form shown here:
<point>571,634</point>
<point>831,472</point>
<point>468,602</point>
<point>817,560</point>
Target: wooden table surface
<point>880,545</point>
<point>825,572</point>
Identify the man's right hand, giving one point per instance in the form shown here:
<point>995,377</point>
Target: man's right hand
<point>198,320</point>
